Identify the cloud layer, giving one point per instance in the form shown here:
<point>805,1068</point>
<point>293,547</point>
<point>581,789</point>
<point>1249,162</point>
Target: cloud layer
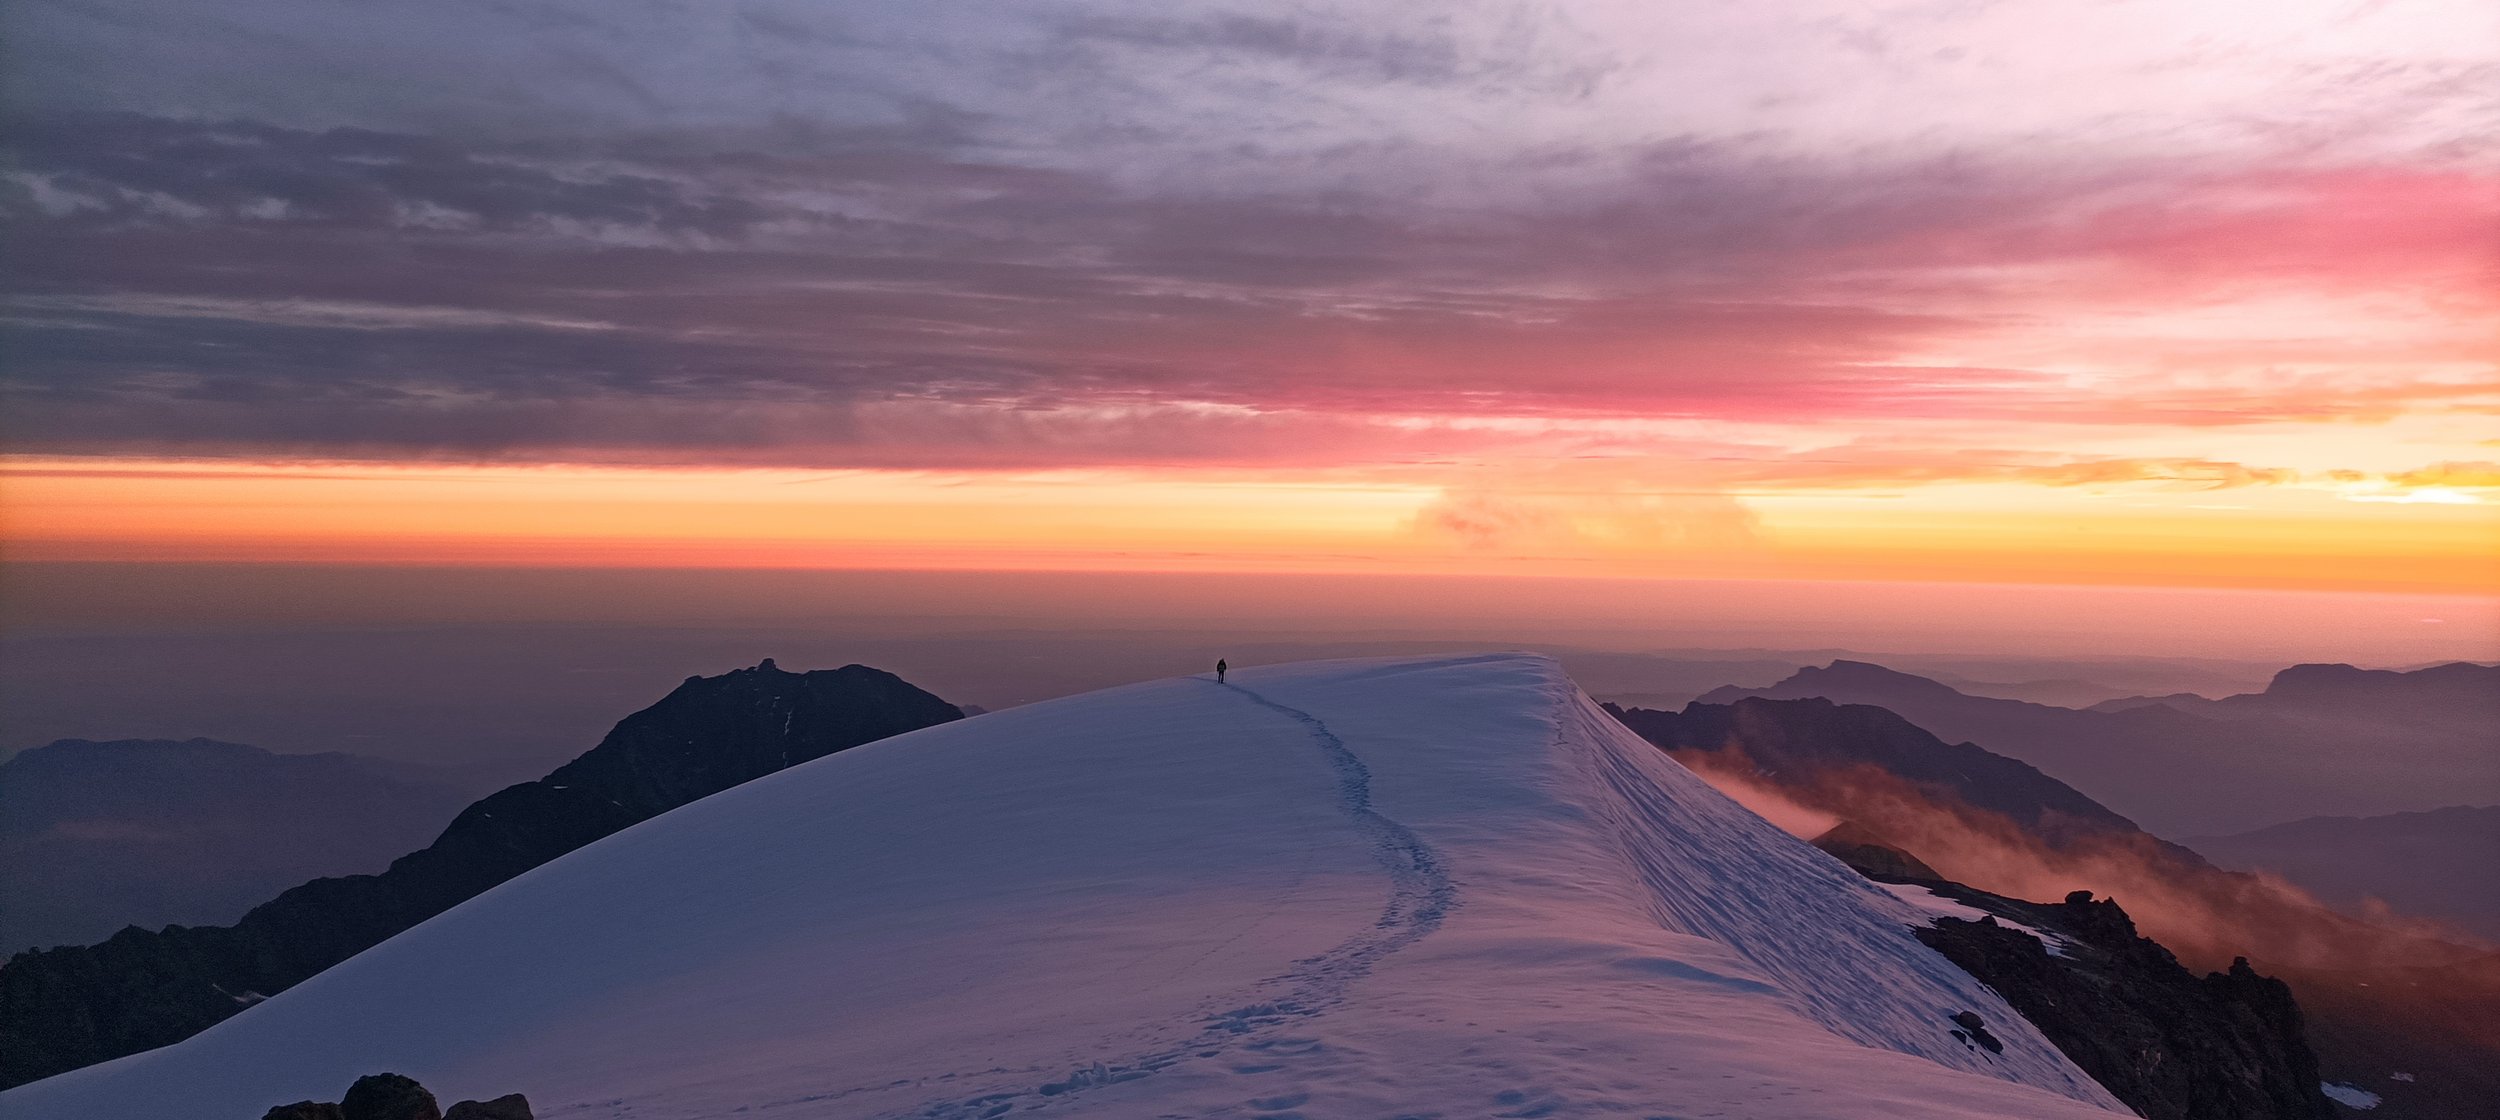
<point>1115,234</point>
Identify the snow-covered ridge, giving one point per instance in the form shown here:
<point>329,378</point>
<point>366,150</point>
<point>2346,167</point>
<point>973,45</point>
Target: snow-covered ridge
<point>1364,888</point>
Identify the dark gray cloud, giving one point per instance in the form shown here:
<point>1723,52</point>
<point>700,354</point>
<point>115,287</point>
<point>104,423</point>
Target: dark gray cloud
<point>206,286</point>
<point>120,168</point>
<point>573,229</point>
<point>1342,48</point>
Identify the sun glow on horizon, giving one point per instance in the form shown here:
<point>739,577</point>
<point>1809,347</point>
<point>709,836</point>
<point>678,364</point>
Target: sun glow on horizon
<point>2124,524</point>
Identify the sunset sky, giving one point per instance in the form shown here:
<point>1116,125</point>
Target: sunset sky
<point>2159,294</point>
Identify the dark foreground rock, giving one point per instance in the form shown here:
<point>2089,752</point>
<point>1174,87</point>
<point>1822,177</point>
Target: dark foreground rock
<point>305,1110</point>
<point>65,1008</point>
<point>2173,1046</point>
<point>510,1106</point>
<point>391,1096</point>
<point>1872,855</point>
<point>388,1096</point>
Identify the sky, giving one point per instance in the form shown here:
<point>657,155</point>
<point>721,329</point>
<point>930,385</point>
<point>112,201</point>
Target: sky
<point>2148,295</point>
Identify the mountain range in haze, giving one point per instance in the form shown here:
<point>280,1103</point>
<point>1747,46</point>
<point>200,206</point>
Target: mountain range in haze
<point>2320,740</point>
<point>150,832</point>
<point>2442,864</point>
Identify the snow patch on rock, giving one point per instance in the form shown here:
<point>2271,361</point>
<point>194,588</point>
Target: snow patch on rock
<point>1933,906</point>
<point>2350,1096</point>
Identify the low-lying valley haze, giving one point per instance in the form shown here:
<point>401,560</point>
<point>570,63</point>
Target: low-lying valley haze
<point>604,559</point>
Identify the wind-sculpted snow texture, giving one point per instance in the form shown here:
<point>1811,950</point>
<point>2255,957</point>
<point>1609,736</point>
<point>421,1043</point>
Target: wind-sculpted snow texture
<point>1446,887</point>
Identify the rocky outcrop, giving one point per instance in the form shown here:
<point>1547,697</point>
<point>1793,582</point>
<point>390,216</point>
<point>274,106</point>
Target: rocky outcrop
<point>388,1096</point>
<point>65,1008</point>
<point>2174,1046</point>
<point>510,1106</point>
<point>1872,855</point>
<point>305,1110</point>
<point>391,1096</point>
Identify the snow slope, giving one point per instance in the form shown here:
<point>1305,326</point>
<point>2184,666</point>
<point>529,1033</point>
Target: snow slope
<point>1367,888</point>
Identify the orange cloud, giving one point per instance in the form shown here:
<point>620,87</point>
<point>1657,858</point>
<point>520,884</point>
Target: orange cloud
<point>2482,475</point>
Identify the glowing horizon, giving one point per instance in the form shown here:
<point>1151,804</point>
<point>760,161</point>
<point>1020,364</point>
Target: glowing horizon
<point>2102,523</point>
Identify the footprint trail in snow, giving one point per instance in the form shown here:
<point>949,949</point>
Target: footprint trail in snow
<point>1421,895</point>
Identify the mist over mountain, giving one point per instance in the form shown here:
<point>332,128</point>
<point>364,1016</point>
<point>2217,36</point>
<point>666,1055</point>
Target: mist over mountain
<point>69,1007</point>
<point>96,836</point>
<point>2320,740</point>
<point>2384,992</point>
<point>1817,740</point>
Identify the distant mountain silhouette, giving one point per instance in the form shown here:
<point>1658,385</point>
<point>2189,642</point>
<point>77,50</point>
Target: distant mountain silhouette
<point>2320,740</point>
<point>95,836</point>
<point>1803,741</point>
<point>2442,864</point>
<point>2459,694</point>
<point>65,1008</point>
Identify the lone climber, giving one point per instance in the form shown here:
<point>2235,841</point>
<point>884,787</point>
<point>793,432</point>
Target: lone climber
<point>1219,670</point>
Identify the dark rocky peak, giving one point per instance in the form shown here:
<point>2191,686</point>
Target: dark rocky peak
<point>2105,923</point>
<point>715,732</point>
<point>1871,854</point>
<point>1844,680</point>
<point>1867,674</point>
